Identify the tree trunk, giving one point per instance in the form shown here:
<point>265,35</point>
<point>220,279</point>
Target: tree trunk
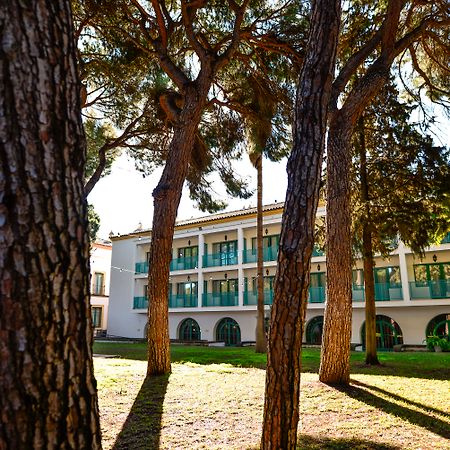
<point>369,282</point>
<point>281,407</point>
<point>167,197</point>
<point>335,355</point>
<point>261,342</point>
<point>48,395</point>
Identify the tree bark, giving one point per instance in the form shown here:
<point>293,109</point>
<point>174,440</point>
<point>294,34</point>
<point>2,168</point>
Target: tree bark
<point>335,355</point>
<point>167,197</point>
<point>281,407</point>
<point>48,395</point>
<point>261,341</point>
<point>369,282</point>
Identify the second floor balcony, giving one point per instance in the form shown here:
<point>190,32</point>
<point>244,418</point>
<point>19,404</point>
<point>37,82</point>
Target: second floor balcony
<point>220,299</point>
<point>431,289</point>
<point>220,259</point>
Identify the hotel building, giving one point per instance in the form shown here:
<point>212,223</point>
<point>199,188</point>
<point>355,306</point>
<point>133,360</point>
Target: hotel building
<point>213,284</point>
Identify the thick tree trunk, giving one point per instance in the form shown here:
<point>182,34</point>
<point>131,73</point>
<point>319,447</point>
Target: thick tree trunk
<point>167,197</point>
<point>281,407</point>
<point>369,282</point>
<point>335,355</point>
<point>48,396</point>
<point>261,342</point>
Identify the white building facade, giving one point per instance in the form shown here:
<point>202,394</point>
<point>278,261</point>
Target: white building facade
<point>213,284</point>
<point>100,261</point>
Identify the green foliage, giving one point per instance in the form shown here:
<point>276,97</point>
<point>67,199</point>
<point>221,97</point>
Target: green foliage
<point>120,62</point>
<point>408,179</point>
<point>93,223</point>
<point>438,341</point>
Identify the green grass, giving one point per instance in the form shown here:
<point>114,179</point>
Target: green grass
<point>406,364</point>
<point>213,399</point>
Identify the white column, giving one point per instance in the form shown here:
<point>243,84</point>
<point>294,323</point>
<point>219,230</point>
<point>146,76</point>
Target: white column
<point>240,233</point>
<point>201,248</point>
<point>403,271</point>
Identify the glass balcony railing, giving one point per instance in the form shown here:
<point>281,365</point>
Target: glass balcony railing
<point>446,239</point>
<point>141,267</point>
<point>220,259</point>
<point>186,263</point>
<point>220,299</point>
<point>429,289</point>
<point>183,301</point>
<point>317,251</point>
<point>140,303</point>
<point>383,292</point>
<point>316,294</point>
<point>251,256</point>
<point>251,297</point>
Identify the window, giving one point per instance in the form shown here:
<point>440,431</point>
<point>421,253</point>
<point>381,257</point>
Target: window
<point>99,283</point>
<point>188,252</point>
<point>96,316</point>
<point>188,289</point>
<point>189,330</point>
<point>228,331</point>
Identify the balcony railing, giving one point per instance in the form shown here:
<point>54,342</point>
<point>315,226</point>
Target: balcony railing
<point>186,263</point>
<point>220,299</point>
<point>141,267</point>
<point>384,292</point>
<point>429,289</point>
<point>317,252</point>
<point>251,297</point>
<point>251,256</point>
<point>220,259</point>
<point>183,301</point>
<point>316,294</point>
<point>446,239</point>
<point>140,303</point>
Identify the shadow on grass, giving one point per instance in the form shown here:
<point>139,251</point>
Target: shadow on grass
<point>308,442</point>
<point>402,399</point>
<point>419,418</point>
<point>142,429</point>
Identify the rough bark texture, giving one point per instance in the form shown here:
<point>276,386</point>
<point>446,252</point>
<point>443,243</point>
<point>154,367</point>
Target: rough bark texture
<point>335,356</point>
<point>167,197</point>
<point>369,281</point>
<point>281,407</point>
<point>48,395</point>
<point>261,341</point>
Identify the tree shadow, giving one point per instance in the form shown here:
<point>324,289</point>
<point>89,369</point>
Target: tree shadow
<point>419,418</point>
<point>402,399</point>
<point>309,442</point>
<point>142,429</point>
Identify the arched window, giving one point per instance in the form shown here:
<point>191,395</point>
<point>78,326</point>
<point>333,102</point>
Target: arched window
<point>189,330</point>
<point>314,330</point>
<point>228,331</point>
<point>388,332</point>
<point>439,326</point>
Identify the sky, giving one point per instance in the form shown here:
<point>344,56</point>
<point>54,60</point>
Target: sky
<point>123,199</point>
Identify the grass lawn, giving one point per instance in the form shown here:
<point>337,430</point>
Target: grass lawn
<point>214,399</point>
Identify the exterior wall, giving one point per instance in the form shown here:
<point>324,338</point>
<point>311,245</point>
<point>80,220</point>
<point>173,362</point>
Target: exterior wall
<point>101,263</point>
<point>128,307</point>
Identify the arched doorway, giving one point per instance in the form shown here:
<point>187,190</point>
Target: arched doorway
<point>228,331</point>
<point>439,326</point>
<point>388,332</point>
<point>189,330</point>
<point>314,330</point>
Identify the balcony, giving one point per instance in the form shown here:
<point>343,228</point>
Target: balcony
<point>186,263</point>
<point>220,299</point>
<point>426,290</point>
<point>251,297</point>
<point>384,292</point>
<point>141,267</point>
<point>140,303</point>
<point>251,256</point>
<point>220,259</point>
<point>446,239</point>
<point>183,301</point>
<point>317,252</point>
<point>316,294</point>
